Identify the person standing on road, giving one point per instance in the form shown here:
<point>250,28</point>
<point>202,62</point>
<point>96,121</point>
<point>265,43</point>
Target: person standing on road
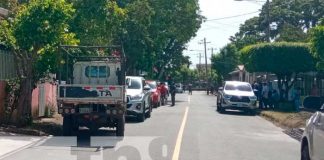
<point>190,89</point>
<point>265,95</point>
<point>164,92</point>
<point>172,90</point>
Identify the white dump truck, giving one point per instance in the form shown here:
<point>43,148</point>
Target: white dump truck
<point>91,90</point>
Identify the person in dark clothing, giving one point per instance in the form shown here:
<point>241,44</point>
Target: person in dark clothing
<point>260,87</point>
<point>118,73</point>
<point>172,90</point>
<point>275,99</point>
<point>190,89</point>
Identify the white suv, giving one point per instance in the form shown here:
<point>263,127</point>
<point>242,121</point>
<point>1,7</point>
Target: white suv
<point>312,146</point>
<point>138,98</point>
<point>236,95</point>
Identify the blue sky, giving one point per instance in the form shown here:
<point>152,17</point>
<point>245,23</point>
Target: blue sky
<point>218,32</point>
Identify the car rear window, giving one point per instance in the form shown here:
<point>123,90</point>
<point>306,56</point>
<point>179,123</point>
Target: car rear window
<point>152,85</point>
<point>133,83</point>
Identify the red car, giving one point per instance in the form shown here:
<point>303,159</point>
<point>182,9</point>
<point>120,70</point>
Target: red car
<point>156,94</point>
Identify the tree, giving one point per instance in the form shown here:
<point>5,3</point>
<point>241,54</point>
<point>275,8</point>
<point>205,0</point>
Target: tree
<point>97,22</point>
<point>289,21</point>
<point>317,39</point>
<point>174,23</point>
<point>37,29</point>
<point>284,59</point>
<point>225,61</point>
<point>290,33</point>
<point>249,33</point>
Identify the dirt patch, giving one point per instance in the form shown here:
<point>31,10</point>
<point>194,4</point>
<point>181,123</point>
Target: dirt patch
<point>40,127</point>
<point>287,119</point>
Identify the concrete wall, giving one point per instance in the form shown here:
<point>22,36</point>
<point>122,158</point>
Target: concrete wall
<point>49,97</point>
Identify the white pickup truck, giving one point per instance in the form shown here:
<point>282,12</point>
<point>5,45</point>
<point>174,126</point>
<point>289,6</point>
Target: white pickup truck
<point>93,93</point>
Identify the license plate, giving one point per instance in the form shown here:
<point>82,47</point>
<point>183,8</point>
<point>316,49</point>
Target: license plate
<point>240,105</point>
<point>85,110</point>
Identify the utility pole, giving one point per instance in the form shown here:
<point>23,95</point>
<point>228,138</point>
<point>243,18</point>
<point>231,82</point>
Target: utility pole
<point>211,71</point>
<point>199,62</point>
<point>205,45</point>
<point>205,49</point>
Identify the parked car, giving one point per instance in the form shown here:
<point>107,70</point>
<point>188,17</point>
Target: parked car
<point>236,95</point>
<point>313,138</point>
<point>138,98</point>
<point>179,88</point>
<point>155,93</point>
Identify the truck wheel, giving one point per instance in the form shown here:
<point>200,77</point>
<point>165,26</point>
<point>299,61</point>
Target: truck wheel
<point>305,153</point>
<point>148,114</point>
<point>120,128</point>
<point>219,108</point>
<point>141,116</point>
<point>67,125</point>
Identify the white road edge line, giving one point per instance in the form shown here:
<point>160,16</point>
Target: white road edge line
<point>177,147</point>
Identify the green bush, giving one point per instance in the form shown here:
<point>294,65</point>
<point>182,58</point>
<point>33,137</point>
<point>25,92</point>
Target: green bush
<point>287,106</point>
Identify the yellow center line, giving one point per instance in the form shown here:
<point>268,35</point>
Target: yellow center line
<point>177,147</point>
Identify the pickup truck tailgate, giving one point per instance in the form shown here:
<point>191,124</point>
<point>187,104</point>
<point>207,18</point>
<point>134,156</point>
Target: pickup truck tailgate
<point>91,93</point>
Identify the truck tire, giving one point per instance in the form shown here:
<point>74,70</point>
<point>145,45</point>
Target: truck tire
<point>120,127</point>
<point>220,109</point>
<point>67,125</point>
<point>148,114</point>
<point>141,116</point>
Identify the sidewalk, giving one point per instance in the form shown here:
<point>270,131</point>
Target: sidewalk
<point>11,143</point>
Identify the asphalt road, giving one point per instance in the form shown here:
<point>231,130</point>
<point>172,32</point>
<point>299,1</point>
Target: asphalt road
<point>191,130</point>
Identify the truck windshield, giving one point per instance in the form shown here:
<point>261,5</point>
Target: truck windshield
<point>241,87</point>
<point>133,84</point>
<point>97,71</point>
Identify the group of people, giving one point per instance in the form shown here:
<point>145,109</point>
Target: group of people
<point>269,97</point>
<point>167,90</point>
<point>171,90</point>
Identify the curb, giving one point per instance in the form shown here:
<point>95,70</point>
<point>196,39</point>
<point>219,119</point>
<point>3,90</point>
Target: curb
<point>23,131</point>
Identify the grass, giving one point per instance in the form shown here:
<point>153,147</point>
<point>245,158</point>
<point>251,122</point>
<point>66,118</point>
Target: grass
<point>287,119</point>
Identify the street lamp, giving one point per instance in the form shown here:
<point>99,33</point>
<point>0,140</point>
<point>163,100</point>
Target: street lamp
<point>268,15</point>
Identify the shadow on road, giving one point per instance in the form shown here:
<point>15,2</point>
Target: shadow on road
<point>236,113</point>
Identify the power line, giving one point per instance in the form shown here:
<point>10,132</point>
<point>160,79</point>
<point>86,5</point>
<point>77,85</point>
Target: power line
<point>240,15</point>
